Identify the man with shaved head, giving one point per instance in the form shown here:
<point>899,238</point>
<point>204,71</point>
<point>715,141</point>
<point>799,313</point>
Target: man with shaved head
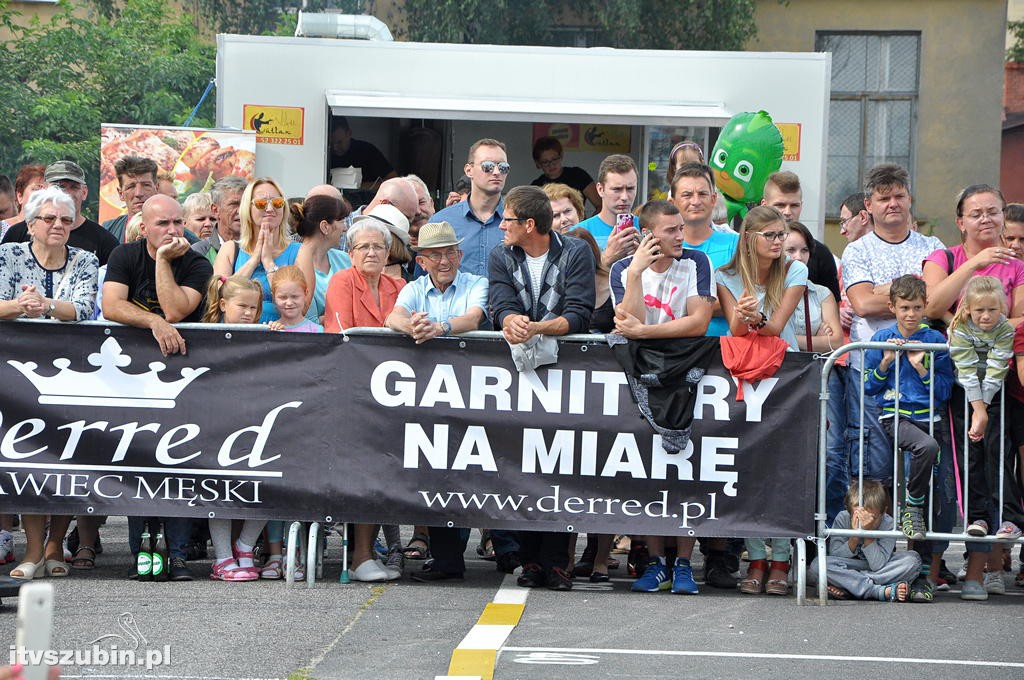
<point>151,283</point>
<point>157,280</point>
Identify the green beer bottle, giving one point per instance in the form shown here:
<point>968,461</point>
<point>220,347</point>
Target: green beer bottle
<point>144,561</point>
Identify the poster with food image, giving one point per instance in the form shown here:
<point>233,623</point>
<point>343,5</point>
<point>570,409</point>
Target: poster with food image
<point>196,157</point>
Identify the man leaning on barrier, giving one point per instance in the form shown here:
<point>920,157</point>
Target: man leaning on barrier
<point>152,283</point>
<point>663,291</point>
<point>541,284</point>
<point>442,302</point>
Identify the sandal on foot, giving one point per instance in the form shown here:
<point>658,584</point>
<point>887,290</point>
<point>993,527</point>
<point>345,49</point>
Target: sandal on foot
<point>621,545</point>
<point>272,570</point>
<point>240,555</point>
<point>753,584</point>
<point>837,593</point>
<point>228,570</point>
<point>894,592</point>
<point>57,568</point>
<point>486,549</point>
<point>26,571</point>
<point>417,552</point>
<point>84,562</point>
<point>777,583</point>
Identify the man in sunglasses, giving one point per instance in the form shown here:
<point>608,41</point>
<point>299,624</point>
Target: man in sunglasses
<point>85,233</point>
<point>477,220</point>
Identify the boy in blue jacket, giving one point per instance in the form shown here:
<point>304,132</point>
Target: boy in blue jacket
<point>910,428</point>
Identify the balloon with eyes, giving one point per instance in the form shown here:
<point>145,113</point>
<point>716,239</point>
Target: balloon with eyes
<point>748,149</point>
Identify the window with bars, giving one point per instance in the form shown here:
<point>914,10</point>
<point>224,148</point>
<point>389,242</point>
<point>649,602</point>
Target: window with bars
<point>873,106</point>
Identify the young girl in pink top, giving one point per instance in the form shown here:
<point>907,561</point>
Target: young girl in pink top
<point>234,299</point>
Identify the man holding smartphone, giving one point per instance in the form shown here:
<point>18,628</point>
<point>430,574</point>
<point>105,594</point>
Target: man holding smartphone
<point>663,291</point>
<point>617,186</point>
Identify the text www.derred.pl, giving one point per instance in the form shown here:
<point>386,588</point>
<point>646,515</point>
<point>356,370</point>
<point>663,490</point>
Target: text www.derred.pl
<point>556,502</point>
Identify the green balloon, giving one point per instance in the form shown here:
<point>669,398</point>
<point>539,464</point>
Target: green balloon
<point>748,149</point>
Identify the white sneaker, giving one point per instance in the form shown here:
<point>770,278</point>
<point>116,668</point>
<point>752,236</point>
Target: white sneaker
<point>962,573</point>
<point>6,547</point>
<point>370,570</point>
<point>994,583</point>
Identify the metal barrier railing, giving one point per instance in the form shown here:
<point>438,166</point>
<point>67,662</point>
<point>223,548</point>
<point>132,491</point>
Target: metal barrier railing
<point>823,531</point>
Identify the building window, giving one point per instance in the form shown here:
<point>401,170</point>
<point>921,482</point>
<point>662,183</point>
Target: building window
<point>873,106</point>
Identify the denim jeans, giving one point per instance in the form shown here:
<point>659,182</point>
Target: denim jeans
<point>837,453</point>
<point>178,532</point>
<point>943,489</point>
<point>878,451</point>
<point>504,541</point>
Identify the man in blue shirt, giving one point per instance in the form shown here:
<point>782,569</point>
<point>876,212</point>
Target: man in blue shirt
<point>444,301</point>
<point>617,186</point>
<point>477,220</point>
<point>694,194</point>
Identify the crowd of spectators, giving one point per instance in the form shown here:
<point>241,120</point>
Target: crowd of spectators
<point>523,261</point>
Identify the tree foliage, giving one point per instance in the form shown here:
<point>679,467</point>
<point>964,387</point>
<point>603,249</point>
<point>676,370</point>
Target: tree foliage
<point>648,24</point>
<point>143,64</point>
<point>1016,51</point>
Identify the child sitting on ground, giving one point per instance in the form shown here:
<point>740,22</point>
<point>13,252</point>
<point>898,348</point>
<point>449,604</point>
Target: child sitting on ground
<point>867,568</point>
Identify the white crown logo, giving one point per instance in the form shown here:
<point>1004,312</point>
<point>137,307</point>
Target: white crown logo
<point>108,386</point>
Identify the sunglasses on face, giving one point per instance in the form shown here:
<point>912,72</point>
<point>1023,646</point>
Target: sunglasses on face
<point>489,166</point>
<point>262,203</point>
<point>50,219</point>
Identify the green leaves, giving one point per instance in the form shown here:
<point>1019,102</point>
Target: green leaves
<point>1016,51</point>
<point>137,62</point>
<point>646,24</point>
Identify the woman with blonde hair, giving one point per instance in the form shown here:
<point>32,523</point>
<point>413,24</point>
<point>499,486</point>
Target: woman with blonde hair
<point>759,290</point>
<point>264,245</point>
<point>566,206</point>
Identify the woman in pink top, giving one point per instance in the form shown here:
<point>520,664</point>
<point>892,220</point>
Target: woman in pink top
<point>362,295</point>
<point>979,216</point>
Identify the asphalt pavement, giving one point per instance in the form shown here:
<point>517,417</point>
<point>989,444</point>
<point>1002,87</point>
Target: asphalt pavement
<point>407,630</point>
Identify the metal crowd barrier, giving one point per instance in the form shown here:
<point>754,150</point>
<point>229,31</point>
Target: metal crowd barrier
<point>823,531</point>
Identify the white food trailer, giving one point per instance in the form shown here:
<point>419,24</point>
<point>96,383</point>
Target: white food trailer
<point>423,105</point>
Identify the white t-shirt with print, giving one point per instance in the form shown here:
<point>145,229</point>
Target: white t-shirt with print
<point>873,260</point>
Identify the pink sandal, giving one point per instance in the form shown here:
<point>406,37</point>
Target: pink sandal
<point>239,556</point>
<point>228,570</point>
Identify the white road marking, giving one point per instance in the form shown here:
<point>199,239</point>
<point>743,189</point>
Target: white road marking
<point>756,655</point>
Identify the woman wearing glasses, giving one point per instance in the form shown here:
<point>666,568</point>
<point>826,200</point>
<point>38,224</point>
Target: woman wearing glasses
<point>46,278</point>
<point>547,156</point>
<point>363,296</point>
<point>759,289</point>
<point>264,246</point>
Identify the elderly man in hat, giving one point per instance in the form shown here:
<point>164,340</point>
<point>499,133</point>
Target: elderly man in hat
<point>444,301</point>
<point>85,233</point>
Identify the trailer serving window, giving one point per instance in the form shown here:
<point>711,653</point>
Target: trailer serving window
<point>459,121</point>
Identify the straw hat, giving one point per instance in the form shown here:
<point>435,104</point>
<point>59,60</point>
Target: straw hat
<point>437,235</point>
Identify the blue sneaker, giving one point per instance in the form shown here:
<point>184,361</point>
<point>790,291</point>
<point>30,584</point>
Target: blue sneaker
<point>682,578</point>
<point>655,577</point>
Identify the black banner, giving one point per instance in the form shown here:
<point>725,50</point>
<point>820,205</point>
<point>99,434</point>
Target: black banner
<point>373,428</point>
